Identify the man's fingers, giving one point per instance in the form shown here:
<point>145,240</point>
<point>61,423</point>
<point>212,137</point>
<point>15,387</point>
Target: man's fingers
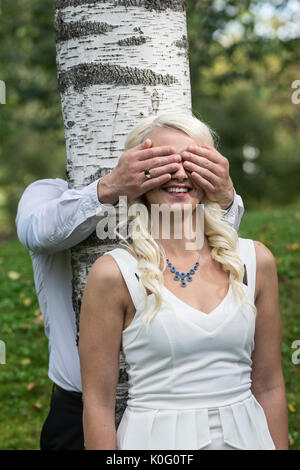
<point>202,182</point>
<point>161,170</point>
<point>211,154</point>
<point>155,182</point>
<point>205,173</point>
<point>154,152</point>
<point>144,145</point>
<point>157,162</point>
<point>190,158</point>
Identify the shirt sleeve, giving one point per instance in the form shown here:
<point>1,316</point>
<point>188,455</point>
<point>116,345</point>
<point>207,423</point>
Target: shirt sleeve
<point>235,212</point>
<point>52,218</point>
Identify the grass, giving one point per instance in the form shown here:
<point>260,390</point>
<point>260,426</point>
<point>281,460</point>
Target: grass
<point>24,385</point>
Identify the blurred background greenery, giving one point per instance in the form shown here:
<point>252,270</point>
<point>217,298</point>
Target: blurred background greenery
<point>244,56</point>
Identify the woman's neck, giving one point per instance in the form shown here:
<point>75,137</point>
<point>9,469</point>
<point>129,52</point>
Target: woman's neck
<point>177,248</point>
<point>181,238</point>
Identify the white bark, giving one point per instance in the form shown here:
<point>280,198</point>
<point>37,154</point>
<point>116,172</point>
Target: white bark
<point>118,61</point>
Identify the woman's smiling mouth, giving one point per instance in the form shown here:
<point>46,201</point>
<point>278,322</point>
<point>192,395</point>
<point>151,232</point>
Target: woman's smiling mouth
<point>177,190</point>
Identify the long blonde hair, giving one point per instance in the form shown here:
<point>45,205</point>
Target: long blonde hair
<point>221,237</point>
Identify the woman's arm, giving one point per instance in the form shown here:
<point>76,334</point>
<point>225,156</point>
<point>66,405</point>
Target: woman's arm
<point>267,377</point>
<point>101,325</point>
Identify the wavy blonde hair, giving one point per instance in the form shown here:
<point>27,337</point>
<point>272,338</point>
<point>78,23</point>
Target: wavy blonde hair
<point>221,237</point>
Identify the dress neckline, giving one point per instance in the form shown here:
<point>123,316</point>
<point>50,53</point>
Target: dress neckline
<point>211,313</point>
<point>200,312</point>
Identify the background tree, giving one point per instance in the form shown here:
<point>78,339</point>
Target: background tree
<point>118,61</point>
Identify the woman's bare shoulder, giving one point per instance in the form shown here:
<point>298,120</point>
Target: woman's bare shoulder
<point>106,270</point>
<point>265,259</point>
<point>266,269</point>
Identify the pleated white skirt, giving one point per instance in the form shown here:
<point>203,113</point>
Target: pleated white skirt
<point>238,426</point>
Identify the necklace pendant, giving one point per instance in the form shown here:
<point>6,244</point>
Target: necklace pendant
<point>184,277</point>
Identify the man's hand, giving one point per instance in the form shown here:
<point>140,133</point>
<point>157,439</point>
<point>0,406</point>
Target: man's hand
<point>128,178</point>
<point>210,170</point>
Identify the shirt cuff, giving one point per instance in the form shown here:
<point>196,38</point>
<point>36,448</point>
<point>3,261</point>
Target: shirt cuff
<point>92,205</point>
<point>228,208</point>
<point>234,213</point>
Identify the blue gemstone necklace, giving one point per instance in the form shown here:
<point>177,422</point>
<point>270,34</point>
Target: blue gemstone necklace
<point>183,277</point>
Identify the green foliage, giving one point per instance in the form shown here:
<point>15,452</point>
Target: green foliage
<point>24,386</point>
<point>31,127</point>
<point>241,85</point>
<point>24,383</point>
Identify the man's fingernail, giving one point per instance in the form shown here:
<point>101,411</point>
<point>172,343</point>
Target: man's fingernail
<point>185,154</point>
<point>178,158</point>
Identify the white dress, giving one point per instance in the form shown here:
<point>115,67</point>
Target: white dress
<point>190,372</point>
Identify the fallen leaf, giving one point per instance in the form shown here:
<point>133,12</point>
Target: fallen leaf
<point>38,405</point>
<point>25,326</point>
<point>32,385</point>
<point>27,302</point>
<point>294,246</point>
<point>22,295</point>
<point>38,320</point>
<point>13,275</point>
<point>291,440</point>
<point>291,408</point>
<point>278,261</point>
<point>37,312</point>
<point>262,238</point>
<point>25,361</point>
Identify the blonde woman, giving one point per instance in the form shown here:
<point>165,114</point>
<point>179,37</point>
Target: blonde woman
<point>200,328</point>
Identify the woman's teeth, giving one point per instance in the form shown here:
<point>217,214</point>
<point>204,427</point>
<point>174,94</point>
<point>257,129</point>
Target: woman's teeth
<point>177,190</point>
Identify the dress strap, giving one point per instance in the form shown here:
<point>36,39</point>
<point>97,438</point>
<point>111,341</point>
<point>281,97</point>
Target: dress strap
<point>128,267</point>
<point>247,253</point>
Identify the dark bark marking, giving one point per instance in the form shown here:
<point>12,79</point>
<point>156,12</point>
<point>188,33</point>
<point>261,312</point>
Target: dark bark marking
<point>158,5</point>
<point>132,41</point>
<point>183,43</point>
<point>84,75</point>
<point>138,30</point>
<point>111,148</point>
<point>65,31</point>
<point>155,101</point>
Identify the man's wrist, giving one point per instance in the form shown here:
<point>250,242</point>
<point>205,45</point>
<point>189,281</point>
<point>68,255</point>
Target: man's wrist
<point>227,204</point>
<point>105,191</point>
<point>230,206</point>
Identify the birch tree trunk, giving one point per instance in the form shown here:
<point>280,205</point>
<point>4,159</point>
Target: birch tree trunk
<point>117,61</point>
